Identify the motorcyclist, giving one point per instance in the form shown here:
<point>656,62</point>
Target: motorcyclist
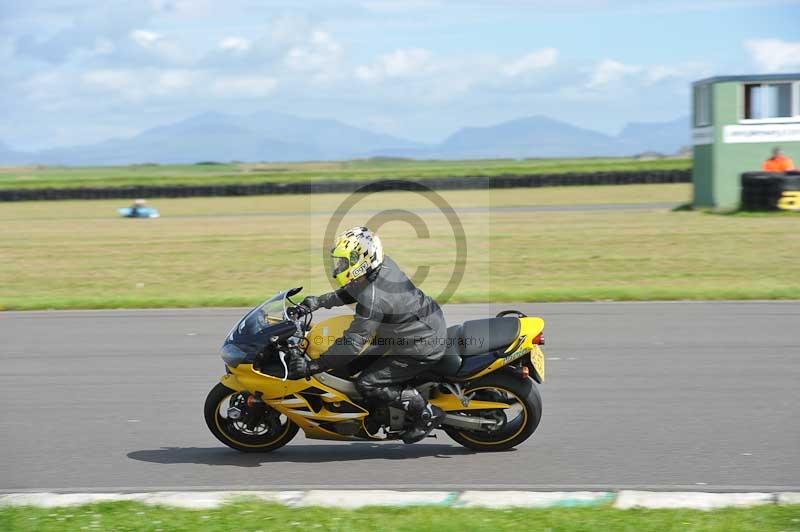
<point>394,317</point>
<point>137,207</point>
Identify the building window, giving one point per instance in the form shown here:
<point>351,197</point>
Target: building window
<point>702,105</point>
<point>767,100</point>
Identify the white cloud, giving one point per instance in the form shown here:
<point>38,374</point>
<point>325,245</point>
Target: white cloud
<point>660,73</point>
<point>289,29</point>
<point>109,79</point>
<point>7,48</point>
<point>406,62</point>
<point>314,54</point>
<point>573,7</point>
<point>774,55</point>
<point>103,46</point>
<point>174,80</point>
<point>546,57</point>
<point>398,64</point>
<point>609,71</point>
<point>141,84</point>
<point>682,72</point>
<point>235,44</point>
<point>147,83</point>
<point>44,88</point>
<point>182,8</point>
<point>138,62</point>
<point>320,55</point>
<point>609,78</point>
<point>158,45</point>
<point>245,87</point>
<point>136,85</point>
<point>399,6</point>
<point>144,38</point>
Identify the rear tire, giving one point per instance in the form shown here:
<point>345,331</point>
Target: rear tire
<point>225,430</point>
<point>527,394</point>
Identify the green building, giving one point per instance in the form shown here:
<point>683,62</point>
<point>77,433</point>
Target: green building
<point>736,122</point>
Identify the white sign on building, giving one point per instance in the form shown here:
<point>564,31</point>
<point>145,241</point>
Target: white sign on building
<point>702,135</point>
<point>752,133</point>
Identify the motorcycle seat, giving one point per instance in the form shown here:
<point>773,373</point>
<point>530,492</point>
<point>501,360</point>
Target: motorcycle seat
<point>483,336</point>
<point>450,362</point>
<point>475,337</point>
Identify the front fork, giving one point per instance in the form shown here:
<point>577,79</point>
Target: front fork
<point>251,410</point>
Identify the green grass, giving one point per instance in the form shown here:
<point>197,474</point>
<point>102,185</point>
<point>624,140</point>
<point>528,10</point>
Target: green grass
<point>251,516</point>
<point>238,251</point>
<point>243,173</point>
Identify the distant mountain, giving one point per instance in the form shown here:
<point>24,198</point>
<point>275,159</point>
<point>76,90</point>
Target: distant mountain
<point>207,137</point>
<point>9,156</point>
<point>541,136</point>
<point>536,136</point>
<point>662,137</point>
<point>332,139</point>
<point>261,136</point>
<point>268,136</point>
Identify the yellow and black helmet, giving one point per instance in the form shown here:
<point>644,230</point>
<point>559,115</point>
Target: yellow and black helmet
<point>357,252</point>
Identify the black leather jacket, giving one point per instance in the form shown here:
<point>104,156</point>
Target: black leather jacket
<point>391,311</point>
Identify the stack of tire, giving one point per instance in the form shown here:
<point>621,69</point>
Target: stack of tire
<point>765,191</point>
<point>444,183</point>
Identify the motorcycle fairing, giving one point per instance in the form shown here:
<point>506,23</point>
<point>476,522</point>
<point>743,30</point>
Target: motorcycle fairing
<point>316,406</point>
<point>530,328</point>
<point>325,333</point>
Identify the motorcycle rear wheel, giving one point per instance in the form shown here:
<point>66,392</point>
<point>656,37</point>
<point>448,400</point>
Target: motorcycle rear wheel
<point>233,434</point>
<point>502,387</point>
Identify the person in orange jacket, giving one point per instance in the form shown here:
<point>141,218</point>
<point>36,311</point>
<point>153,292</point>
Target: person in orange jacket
<point>778,162</point>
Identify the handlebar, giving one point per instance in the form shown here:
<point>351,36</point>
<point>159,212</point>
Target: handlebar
<point>297,311</point>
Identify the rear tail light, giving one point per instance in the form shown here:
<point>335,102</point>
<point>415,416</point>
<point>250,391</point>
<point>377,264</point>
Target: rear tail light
<point>539,339</point>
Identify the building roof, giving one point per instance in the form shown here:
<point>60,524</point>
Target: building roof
<point>754,77</point>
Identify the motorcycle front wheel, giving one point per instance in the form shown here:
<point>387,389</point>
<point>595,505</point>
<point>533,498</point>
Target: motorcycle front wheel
<point>514,424</point>
<point>266,430</point>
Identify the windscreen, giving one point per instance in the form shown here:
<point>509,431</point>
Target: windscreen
<point>247,337</point>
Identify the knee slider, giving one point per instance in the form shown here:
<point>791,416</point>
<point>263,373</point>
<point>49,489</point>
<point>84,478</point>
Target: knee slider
<point>412,401</point>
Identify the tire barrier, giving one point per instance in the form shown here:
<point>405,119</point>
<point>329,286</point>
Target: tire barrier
<point>763,191</point>
<point>319,187</point>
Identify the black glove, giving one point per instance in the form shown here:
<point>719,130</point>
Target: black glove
<point>300,367</point>
<point>310,303</point>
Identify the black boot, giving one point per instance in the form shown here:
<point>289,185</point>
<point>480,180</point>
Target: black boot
<point>424,416</point>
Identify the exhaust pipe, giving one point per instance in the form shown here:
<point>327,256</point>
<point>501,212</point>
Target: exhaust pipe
<point>469,423</point>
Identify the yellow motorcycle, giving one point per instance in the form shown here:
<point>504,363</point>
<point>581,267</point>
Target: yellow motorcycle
<point>485,382</point>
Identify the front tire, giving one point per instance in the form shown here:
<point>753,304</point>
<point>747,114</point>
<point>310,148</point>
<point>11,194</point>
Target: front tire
<point>502,387</point>
<point>234,435</point>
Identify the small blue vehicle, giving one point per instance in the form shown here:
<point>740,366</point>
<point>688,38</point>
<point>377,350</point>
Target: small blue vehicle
<point>138,210</point>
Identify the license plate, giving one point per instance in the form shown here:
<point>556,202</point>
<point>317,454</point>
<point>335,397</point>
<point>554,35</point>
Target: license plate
<point>537,359</point>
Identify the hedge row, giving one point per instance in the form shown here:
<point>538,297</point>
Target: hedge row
<point>258,189</point>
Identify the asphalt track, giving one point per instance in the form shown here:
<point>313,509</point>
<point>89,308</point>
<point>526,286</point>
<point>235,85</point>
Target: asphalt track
<point>588,207</point>
<point>495,209</point>
<point>639,395</point>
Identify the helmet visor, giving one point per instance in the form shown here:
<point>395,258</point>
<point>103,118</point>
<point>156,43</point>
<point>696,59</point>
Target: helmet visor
<point>340,264</point>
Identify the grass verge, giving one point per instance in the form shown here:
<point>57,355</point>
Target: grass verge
<point>254,516</point>
<point>238,251</point>
<point>245,173</point>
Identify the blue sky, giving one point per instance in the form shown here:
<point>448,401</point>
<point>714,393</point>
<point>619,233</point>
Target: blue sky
<point>78,71</point>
